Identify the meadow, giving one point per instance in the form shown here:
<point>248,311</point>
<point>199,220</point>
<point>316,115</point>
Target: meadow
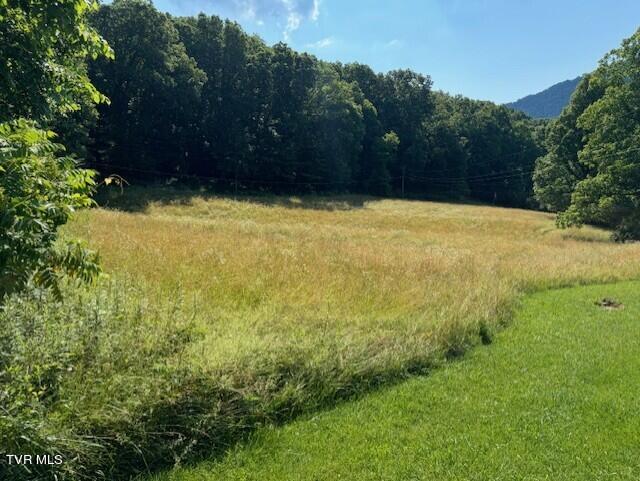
<point>353,286</point>
<point>172,323</point>
<point>221,315</point>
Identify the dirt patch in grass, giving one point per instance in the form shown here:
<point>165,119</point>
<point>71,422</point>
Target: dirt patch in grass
<point>609,304</point>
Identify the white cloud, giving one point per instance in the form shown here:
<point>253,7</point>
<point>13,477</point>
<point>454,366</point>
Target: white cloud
<point>395,43</point>
<point>249,12</point>
<point>389,47</point>
<point>290,14</point>
<point>315,13</point>
<point>294,19</point>
<point>297,12</point>
<point>324,43</point>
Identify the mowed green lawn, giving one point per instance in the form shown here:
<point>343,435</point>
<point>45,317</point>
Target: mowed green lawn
<point>556,396</point>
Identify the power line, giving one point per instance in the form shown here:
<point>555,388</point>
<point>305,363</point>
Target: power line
<point>505,175</point>
<point>515,172</point>
<point>232,180</point>
<point>441,182</point>
<point>475,164</point>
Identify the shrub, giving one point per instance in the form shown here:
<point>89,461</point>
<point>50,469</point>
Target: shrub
<point>95,377</point>
<point>39,189</point>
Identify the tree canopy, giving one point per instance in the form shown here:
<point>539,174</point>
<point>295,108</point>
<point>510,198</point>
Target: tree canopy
<point>198,98</point>
<point>592,171</point>
<point>43,49</point>
<point>43,80</point>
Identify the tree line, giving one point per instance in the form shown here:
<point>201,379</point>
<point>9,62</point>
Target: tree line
<point>138,92</point>
<point>197,97</point>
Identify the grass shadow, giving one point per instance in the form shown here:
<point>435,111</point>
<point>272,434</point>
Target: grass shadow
<point>210,443</point>
<point>138,198</point>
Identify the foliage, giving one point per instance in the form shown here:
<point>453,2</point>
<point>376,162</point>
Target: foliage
<point>382,155</point>
<point>336,120</point>
<point>557,173</point>
<point>593,170</point>
<point>153,86</point>
<point>492,148</point>
<point>43,50</point>
<point>43,77</point>
<point>92,379</point>
<point>246,116</point>
<point>39,189</point>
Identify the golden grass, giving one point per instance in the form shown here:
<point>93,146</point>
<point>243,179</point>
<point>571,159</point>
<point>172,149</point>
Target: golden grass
<point>370,284</point>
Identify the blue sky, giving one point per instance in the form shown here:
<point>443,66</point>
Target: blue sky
<point>497,50</point>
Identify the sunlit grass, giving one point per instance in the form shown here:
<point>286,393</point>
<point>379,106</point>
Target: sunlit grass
<point>341,283</point>
<point>270,307</point>
<point>553,398</point>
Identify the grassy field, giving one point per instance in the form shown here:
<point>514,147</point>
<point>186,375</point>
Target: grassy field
<point>554,397</point>
<point>367,283</point>
<point>251,311</point>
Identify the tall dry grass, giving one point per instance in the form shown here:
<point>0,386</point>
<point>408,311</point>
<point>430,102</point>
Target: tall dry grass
<point>351,285</point>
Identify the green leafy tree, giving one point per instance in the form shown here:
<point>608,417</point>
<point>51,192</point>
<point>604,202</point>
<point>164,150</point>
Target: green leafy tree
<point>269,118</point>
<point>611,192</point>
<point>335,109</point>
<point>406,104</point>
<point>559,171</point>
<point>43,50</point>
<point>43,77</point>
<point>154,88</point>
<point>362,169</point>
<point>447,162</point>
<point>502,151</point>
<point>288,133</point>
<point>592,174</point>
<point>39,190</point>
<point>384,154</point>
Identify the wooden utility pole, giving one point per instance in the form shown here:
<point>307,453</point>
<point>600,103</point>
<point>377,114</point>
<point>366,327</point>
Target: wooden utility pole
<point>403,167</point>
<point>236,180</point>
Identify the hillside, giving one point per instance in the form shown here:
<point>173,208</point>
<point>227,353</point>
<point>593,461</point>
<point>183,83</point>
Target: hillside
<point>216,250</point>
<point>548,103</point>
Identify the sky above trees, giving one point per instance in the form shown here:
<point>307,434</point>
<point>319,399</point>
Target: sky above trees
<point>496,50</point>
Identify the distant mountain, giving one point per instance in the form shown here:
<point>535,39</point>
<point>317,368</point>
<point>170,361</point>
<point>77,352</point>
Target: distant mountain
<point>548,103</point>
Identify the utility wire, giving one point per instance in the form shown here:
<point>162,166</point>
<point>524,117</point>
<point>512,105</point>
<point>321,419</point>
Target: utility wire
<point>436,181</point>
<point>231,180</point>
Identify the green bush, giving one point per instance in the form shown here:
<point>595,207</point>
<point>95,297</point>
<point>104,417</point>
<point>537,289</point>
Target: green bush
<point>39,189</point>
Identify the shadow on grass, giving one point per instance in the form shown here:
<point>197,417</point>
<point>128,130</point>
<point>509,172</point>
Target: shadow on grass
<point>138,198</point>
<point>600,236</point>
<point>210,421</point>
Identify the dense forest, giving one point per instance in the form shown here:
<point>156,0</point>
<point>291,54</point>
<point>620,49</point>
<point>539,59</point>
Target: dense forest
<point>197,98</point>
<point>136,92</point>
<point>549,103</point>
